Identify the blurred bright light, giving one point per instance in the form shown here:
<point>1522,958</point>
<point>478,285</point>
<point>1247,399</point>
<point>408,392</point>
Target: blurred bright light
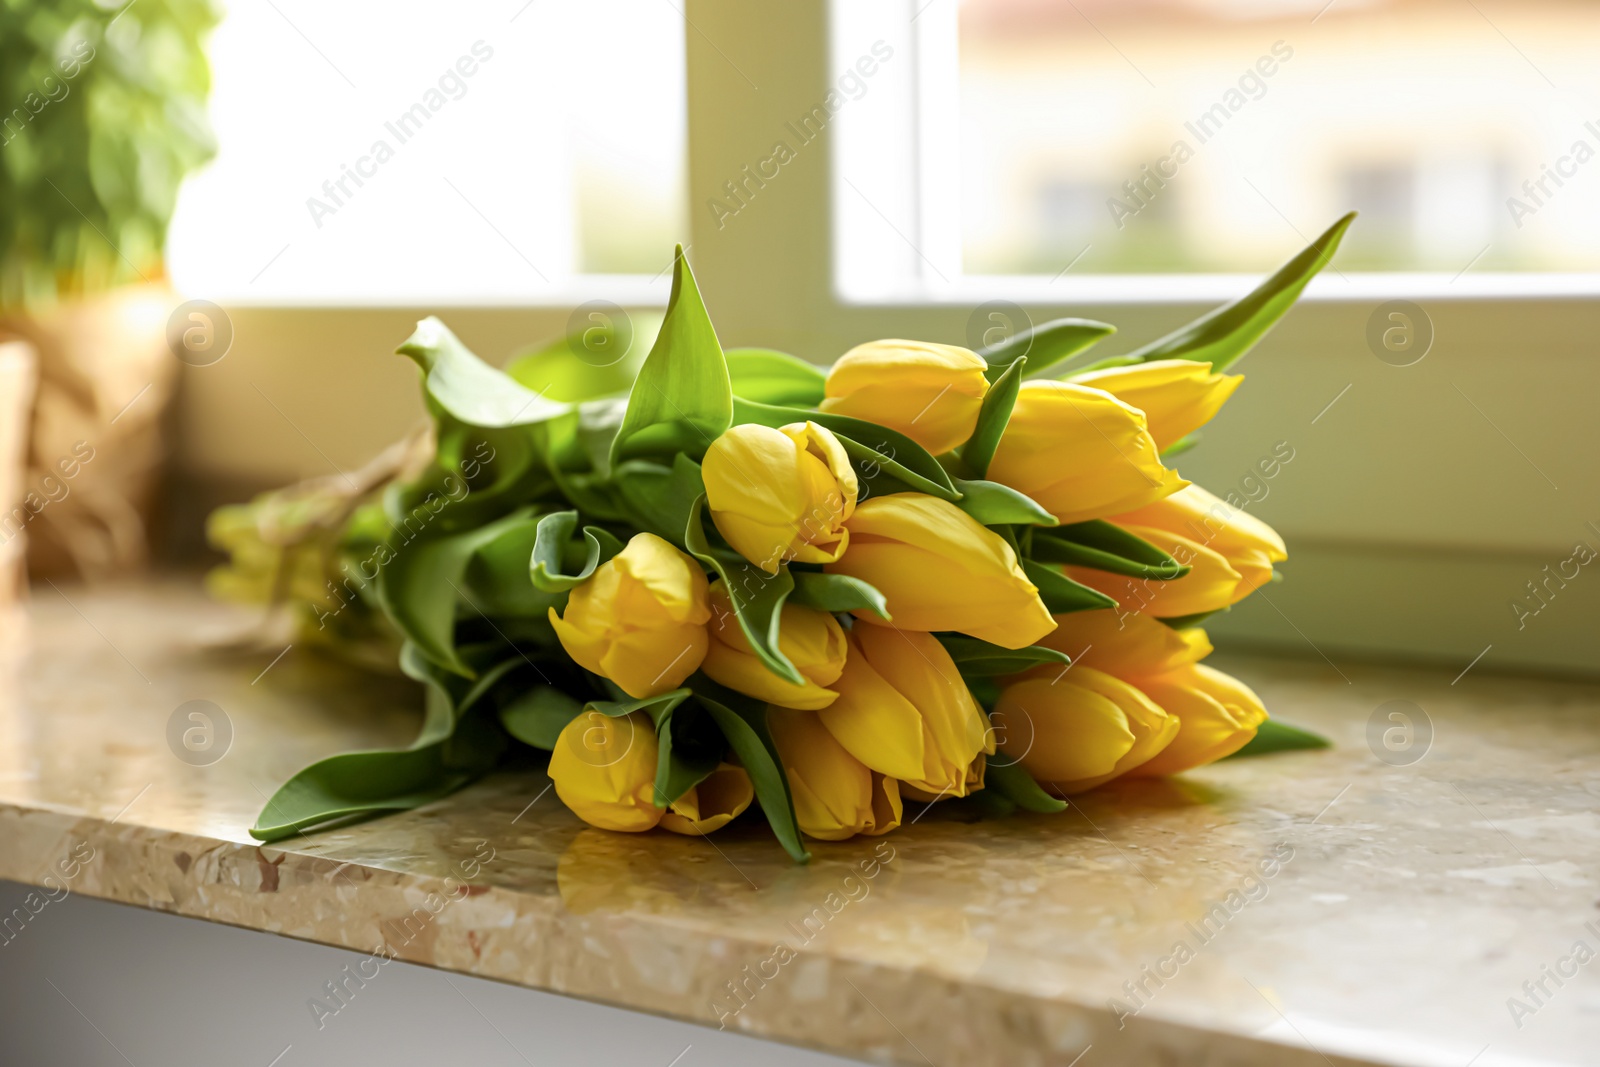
<point>417,152</point>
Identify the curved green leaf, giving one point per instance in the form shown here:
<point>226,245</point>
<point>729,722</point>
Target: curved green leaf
<point>877,452</point>
<point>976,657</point>
<point>1184,622</point>
<point>743,723</point>
<point>1061,594</point>
<point>992,418</point>
<point>537,717</point>
<point>467,387</point>
<point>836,593</point>
<point>757,596</point>
<point>1045,345</point>
<point>1223,335</point>
<point>1012,781</point>
<point>1105,546</point>
<point>600,360</point>
<point>771,377</point>
<point>1275,736</point>
<point>551,549</point>
<point>682,398</point>
<point>994,504</point>
<point>659,497</point>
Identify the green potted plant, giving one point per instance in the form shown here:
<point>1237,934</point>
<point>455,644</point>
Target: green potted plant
<point>102,114</point>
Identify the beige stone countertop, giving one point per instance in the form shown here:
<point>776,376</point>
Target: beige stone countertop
<point>1331,907</point>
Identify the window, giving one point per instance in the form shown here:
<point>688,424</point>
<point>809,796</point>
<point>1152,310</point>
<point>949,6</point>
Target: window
<point>419,153</point>
<point>1114,137</point>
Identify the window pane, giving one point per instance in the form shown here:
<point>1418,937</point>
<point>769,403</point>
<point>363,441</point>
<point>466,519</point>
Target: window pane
<point>418,152</point>
<point>1199,135</point>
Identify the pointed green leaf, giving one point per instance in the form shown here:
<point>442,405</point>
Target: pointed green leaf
<point>688,748</point>
<point>1045,345</point>
<point>836,593</point>
<point>771,377</point>
<point>601,359</point>
<point>467,387</point>
<point>537,716</point>
<point>682,398</point>
<point>975,657</point>
<point>992,418</point>
<point>743,723</point>
<point>1227,333</point>
<point>1275,736</point>
<point>497,582</point>
<point>1012,781</point>
<point>994,504</point>
<point>878,453</point>
<point>1183,622</point>
<point>1181,445</point>
<point>1105,546</point>
<point>1060,593</point>
<point>757,596</point>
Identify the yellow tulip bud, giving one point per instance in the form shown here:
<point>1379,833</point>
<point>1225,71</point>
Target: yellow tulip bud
<point>1075,731</point>
<point>812,640</point>
<point>1080,452</point>
<point>835,795</point>
<point>1177,396</point>
<point>1211,584</point>
<point>716,801</point>
<point>904,711</point>
<point>940,569</point>
<point>1217,715</point>
<point>1125,644</point>
<point>640,618</point>
<point>1249,545</point>
<point>780,495</point>
<point>604,769</point>
<point>931,393</point>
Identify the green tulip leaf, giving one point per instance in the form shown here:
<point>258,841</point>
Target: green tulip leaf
<point>1012,781</point>
<point>1184,622</point>
<point>757,596</point>
<point>468,388</point>
<point>553,546</point>
<point>600,360</point>
<point>975,657</point>
<point>496,584</point>
<point>743,723</point>
<point>688,748</point>
<point>421,587</point>
<point>836,593</point>
<point>682,399</point>
<point>659,497</point>
<point>1045,345</point>
<point>1061,594</point>
<point>1275,736</point>
<point>1105,546</point>
<point>1222,336</point>
<point>994,504</point>
<point>537,717</point>
<point>1181,445</point>
<point>770,377</point>
<point>993,417</point>
<point>878,452</point>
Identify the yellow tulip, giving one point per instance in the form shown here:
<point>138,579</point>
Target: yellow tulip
<point>716,801</point>
<point>1217,715</point>
<point>780,495</point>
<point>604,769</point>
<point>1075,731</point>
<point>904,711</point>
<point>1125,644</point>
<point>1177,396</point>
<point>836,796</point>
<point>1211,584</point>
<point>812,640</point>
<point>1249,545</point>
<point>640,618</point>
<point>940,569</point>
<point>1080,452</point>
<point>931,393</point>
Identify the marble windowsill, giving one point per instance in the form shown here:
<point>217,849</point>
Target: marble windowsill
<point>1401,909</point>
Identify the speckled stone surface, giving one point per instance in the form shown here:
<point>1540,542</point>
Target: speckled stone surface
<point>1332,907</point>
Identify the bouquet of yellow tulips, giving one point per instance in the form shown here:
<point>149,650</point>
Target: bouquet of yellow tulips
<point>724,579</point>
